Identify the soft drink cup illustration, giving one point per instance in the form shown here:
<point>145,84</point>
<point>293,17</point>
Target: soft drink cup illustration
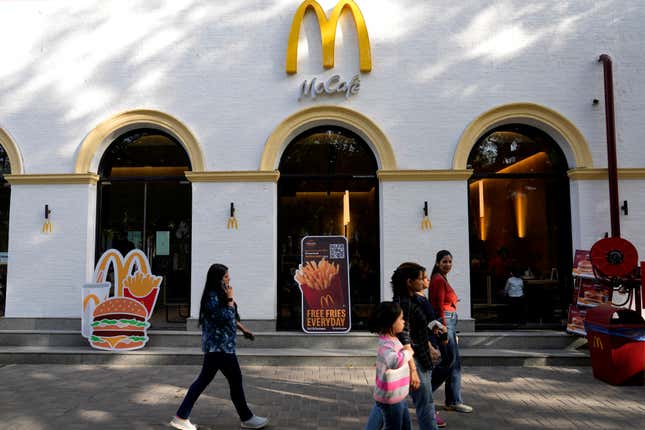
<point>92,295</point>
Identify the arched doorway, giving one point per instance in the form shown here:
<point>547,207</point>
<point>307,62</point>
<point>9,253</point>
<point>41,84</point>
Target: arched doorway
<point>5,199</point>
<point>144,202</point>
<point>317,168</point>
<point>520,225</point>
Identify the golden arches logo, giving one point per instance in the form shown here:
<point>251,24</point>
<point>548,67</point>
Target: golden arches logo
<point>122,267</point>
<point>328,34</point>
<point>87,299</point>
<point>327,301</point>
<point>597,343</point>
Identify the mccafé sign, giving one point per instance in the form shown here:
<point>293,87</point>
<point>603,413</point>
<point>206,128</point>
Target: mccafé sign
<point>328,27</point>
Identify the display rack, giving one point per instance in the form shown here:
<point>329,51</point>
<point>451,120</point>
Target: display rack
<point>588,292</point>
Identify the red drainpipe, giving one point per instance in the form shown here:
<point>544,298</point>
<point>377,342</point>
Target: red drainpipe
<point>612,167</point>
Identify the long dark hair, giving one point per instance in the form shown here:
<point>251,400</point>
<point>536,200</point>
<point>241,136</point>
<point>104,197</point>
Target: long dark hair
<point>440,255</point>
<point>401,275</point>
<point>214,280</point>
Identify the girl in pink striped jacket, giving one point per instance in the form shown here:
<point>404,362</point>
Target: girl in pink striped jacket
<point>392,371</point>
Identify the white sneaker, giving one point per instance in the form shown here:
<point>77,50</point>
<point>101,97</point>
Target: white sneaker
<point>255,422</point>
<point>459,407</point>
<point>182,424</point>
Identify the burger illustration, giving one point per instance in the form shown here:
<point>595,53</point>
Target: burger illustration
<point>119,323</point>
<point>584,267</point>
<point>594,296</point>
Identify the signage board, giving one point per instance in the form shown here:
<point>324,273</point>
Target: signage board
<point>328,28</point>
<point>323,278</point>
<point>119,322</point>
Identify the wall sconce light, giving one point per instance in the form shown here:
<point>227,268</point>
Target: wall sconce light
<point>232,222</point>
<point>425,222</point>
<point>47,226</point>
<point>520,213</point>
<point>482,211</point>
<point>346,218</point>
<point>625,208</point>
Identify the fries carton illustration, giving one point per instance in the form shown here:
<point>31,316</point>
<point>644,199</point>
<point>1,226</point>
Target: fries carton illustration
<point>320,284</point>
<point>120,322</point>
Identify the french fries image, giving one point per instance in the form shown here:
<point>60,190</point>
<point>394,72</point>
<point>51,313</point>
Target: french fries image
<point>317,275</point>
<point>316,279</point>
<point>141,284</point>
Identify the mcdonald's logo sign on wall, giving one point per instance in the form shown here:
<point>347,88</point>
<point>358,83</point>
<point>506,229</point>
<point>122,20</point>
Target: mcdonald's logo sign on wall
<point>328,28</point>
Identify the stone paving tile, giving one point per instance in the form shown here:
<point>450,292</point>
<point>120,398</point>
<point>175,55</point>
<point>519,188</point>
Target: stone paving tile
<point>74,397</point>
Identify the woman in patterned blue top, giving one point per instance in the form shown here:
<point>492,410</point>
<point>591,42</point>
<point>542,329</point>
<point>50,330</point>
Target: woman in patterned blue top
<point>219,320</point>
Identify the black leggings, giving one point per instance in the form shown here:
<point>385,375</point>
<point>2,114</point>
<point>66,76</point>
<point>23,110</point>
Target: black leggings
<point>227,363</point>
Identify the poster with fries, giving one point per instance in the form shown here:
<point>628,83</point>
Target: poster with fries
<point>119,322</point>
<point>323,278</point>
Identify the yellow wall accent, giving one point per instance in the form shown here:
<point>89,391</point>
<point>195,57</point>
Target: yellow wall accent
<point>234,176</point>
<point>424,175</point>
<point>593,174</point>
<point>328,34</point>
<point>316,116</point>
<point>53,178</point>
<point>98,140</point>
<point>524,113</point>
<point>10,147</point>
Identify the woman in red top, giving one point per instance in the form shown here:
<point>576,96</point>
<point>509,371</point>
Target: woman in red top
<point>444,301</point>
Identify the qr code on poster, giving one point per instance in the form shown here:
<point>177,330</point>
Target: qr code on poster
<point>336,251</point>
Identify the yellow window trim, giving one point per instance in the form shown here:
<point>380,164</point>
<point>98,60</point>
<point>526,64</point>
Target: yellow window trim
<point>13,152</point>
<point>424,175</point>
<point>317,116</point>
<point>98,140</point>
<point>602,174</point>
<point>523,113</point>
<point>234,176</point>
<point>53,178</point>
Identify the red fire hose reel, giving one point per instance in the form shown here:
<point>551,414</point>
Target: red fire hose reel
<point>614,257</point>
<point>615,262</point>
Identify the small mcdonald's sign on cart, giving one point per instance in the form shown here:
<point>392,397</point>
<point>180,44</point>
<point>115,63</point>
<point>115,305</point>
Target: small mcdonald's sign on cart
<point>323,278</point>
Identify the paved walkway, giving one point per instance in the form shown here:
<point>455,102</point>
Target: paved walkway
<point>100,397</point>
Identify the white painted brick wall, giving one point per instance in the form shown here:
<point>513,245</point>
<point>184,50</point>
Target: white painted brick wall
<point>46,271</point>
<point>403,240</point>
<point>219,68</point>
<point>590,212</point>
<point>249,252</point>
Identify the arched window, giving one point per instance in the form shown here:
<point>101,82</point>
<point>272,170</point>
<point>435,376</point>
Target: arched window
<point>316,170</point>
<point>144,202</point>
<point>520,223</point>
<point>516,149</point>
<point>144,153</point>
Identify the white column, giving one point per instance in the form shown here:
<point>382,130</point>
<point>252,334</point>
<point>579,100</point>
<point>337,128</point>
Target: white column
<point>250,252</point>
<point>46,270</point>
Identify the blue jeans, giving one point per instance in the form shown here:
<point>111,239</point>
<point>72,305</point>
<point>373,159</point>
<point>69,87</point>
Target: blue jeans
<point>449,370</point>
<point>389,417</point>
<point>423,404</point>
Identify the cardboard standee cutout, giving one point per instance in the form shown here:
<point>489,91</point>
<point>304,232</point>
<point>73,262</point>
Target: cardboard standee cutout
<point>93,294</point>
<point>120,323</point>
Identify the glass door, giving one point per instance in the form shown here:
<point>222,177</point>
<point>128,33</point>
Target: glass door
<point>153,216</point>
<point>520,230</point>
<point>322,172</point>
